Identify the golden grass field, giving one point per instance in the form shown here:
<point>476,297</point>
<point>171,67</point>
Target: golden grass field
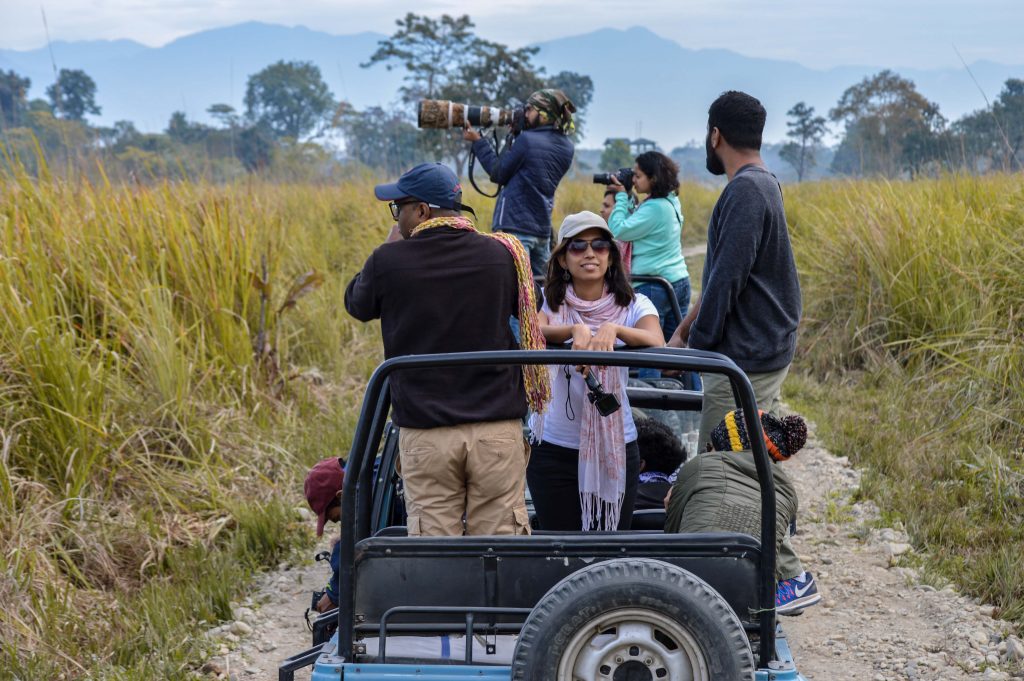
<point>151,451</point>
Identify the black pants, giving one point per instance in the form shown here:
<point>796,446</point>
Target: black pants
<point>553,477</point>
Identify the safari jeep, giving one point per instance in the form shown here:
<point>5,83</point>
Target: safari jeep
<point>566,606</point>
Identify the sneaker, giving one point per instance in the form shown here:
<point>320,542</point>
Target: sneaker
<point>793,595</point>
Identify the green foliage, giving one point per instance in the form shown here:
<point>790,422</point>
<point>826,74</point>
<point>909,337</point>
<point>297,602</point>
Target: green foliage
<point>914,348</point>
<point>806,131</point>
<point>13,102</point>
<point>180,129</point>
<point>255,148</point>
<point>444,59</point>
<point>289,99</point>
<point>73,95</point>
<point>225,113</point>
<point>891,128</point>
<point>616,154</point>
<point>382,139</point>
<point>149,458</point>
<point>993,138</point>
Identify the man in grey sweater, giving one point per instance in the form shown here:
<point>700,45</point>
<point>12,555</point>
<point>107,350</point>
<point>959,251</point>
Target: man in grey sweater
<point>750,304</point>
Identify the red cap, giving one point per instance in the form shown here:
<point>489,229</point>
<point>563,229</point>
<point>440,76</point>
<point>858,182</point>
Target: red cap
<point>323,483</point>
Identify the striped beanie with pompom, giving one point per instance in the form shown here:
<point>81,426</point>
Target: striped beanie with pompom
<point>783,437</point>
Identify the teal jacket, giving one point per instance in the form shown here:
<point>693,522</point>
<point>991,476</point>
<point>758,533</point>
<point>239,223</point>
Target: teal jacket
<point>655,229</point>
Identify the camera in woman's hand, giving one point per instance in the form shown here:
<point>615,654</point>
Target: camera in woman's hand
<point>605,402</point>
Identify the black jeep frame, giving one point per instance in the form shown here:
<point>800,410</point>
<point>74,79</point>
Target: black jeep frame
<point>358,500</point>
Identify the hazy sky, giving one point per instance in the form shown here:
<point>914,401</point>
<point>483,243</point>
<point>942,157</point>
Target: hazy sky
<point>816,33</point>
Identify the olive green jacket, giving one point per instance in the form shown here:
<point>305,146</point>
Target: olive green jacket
<point>718,491</point>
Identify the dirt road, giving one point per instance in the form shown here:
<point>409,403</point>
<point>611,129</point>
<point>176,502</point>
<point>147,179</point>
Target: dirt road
<point>877,622</point>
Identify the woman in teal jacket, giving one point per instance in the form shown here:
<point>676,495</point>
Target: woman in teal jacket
<point>654,229</point>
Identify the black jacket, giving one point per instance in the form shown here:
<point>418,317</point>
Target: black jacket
<point>530,172</point>
<point>444,290</point>
<point>750,296</point>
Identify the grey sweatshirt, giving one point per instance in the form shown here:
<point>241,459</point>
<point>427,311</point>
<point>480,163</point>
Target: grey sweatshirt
<point>750,301</point>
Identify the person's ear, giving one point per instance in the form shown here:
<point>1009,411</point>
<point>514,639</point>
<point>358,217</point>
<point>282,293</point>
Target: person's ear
<point>716,137</point>
<point>561,262</point>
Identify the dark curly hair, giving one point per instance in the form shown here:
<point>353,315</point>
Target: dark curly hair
<point>663,171</point>
<point>739,118</point>
<point>618,284</point>
<point>660,448</point>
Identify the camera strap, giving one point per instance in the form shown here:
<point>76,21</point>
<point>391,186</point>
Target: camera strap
<point>499,149</point>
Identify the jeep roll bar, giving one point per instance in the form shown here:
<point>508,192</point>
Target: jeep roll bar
<point>357,490</point>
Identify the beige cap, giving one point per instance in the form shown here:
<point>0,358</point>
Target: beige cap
<point>580,222</point>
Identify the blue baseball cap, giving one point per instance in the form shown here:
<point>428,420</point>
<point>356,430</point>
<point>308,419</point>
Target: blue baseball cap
<point>433,183</point>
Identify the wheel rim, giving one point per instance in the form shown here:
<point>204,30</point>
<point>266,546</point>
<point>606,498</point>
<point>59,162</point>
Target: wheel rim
<point>633,645</point>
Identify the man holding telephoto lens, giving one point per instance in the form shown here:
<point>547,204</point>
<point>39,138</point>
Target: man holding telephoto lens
<point>530,171</point>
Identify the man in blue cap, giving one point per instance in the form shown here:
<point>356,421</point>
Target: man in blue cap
<point>444,287</point>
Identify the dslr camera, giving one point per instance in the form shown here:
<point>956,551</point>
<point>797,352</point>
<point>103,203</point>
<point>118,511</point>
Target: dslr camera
<point>606,403</point>
<point>624,175</point>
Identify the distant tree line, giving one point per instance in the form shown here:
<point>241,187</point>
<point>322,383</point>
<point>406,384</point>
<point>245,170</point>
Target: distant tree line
<point>890,129</point>
<point>289,111</point>
<point>884,126</point>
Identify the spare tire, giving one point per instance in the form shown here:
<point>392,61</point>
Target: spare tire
<point>632,619</point>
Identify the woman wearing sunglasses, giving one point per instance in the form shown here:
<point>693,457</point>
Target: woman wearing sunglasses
<point>584,467</point>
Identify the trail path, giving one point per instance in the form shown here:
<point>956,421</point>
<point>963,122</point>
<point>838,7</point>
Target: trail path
<point>876,621</point>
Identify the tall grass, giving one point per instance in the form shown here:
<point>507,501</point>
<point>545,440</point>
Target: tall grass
<point>150,449</point>
<point>913,325</point>
<point>149,456</point>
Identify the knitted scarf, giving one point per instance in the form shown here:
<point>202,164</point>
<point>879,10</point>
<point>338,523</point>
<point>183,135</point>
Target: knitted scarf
<point>602,467</point>
<point>535,377</point>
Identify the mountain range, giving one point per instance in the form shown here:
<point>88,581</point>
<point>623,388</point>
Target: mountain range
<point>644,85</point>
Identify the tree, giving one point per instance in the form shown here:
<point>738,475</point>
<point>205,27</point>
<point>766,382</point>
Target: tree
<point>889,127</point>
<point>616,154</point>
<point>444,59</point>
<point>993,138</point>
<point>181,130</point>
<point>224,114</point>
<point>427,49</point>
<point>255,148</point>
<point>73,95</point>
<point>13,98</point>
<point>806,131</point>
<point>381,139</point>
<point>289,99</point>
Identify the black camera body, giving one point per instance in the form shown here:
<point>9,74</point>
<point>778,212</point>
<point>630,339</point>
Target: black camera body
<point>624,175</point>
<point>315,599</point>
<point>605,402</point>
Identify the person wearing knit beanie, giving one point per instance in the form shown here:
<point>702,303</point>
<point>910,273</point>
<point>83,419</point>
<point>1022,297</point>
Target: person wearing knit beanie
<point>783,437</point>
<point>719,491</point>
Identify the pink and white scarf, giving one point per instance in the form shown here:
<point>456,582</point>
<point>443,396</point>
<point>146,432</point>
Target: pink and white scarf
<point>602,467</point>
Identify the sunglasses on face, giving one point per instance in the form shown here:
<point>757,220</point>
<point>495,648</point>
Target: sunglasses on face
<point>396,206</point>
<point>580,245</point>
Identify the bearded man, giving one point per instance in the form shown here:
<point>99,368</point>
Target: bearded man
<point>529,172</point>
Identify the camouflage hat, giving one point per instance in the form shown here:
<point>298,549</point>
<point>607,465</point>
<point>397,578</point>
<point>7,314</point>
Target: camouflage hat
<point>555,109</point>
